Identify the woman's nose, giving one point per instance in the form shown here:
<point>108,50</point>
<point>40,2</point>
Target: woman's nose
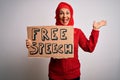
<point>64,15</point>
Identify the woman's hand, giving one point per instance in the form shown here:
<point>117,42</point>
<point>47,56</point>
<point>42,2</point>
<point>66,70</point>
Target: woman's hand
<point>98,25</point>
<point>28,43</point>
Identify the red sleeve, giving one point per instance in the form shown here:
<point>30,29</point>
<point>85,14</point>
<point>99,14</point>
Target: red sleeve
<point>88,45</point>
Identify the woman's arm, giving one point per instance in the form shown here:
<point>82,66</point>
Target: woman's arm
<point>89,45</point>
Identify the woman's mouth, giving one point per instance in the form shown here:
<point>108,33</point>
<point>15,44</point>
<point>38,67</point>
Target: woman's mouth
<point>65,20</point>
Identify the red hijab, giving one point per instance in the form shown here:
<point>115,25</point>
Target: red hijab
<point>64,5</point>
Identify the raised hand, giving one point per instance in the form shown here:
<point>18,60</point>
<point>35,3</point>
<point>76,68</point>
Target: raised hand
<point>98,25</point>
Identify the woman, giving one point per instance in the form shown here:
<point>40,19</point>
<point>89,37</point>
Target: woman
<point>69,69</point>
<point>61,69</point>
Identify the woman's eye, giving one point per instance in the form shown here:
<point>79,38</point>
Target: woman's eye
<point>67,13</point>
<point>61,13</point>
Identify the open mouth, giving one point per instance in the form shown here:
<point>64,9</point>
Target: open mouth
<point>65,20</point>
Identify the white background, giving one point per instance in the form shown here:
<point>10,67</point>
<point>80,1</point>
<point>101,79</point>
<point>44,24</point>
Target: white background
<point>16,15</point>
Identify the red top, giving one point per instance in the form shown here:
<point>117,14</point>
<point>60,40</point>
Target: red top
<point>60,69</point>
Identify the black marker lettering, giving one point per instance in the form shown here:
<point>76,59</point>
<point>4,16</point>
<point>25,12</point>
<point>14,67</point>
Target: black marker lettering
<point>68,48</point>
<point>44,35</point>
<point>41,46</point>
<point>35,49</point>
<point>53,34</point>
<point>47,48</point>
<point>59,48</point>
<point>62,34</point>
<point>54,48</point>
<point>34,31</point>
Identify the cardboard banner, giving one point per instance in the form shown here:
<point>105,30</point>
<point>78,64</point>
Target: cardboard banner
<point>51,41</point>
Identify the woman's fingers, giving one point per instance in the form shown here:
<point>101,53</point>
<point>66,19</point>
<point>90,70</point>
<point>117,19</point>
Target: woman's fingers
<point>28,43</point>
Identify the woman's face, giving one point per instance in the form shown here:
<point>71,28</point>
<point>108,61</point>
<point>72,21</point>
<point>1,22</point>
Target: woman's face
<point>64,16</point>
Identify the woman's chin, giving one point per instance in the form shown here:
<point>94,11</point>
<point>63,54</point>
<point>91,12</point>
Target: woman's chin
<point>65,24</point>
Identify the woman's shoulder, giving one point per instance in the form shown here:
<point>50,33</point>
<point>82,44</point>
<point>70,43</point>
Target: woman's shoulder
<point>77,30</point>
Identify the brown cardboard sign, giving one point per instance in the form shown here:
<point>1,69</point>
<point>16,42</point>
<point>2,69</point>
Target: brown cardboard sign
<point>51,41</point>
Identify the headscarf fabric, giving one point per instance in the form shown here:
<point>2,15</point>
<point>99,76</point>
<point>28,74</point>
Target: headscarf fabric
<point>64,5</point>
